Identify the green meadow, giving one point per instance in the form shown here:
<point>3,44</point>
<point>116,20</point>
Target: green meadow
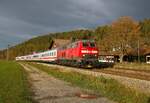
<point>13,83</point>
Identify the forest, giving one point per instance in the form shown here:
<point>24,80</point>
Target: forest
<point>123,36</point>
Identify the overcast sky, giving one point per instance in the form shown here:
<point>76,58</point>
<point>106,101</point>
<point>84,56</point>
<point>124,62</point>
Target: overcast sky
<point>24,19</point>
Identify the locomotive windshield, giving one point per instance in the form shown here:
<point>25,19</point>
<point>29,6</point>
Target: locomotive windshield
<point>85,44</point>
<point>88,43</point>
<point>92,44</point>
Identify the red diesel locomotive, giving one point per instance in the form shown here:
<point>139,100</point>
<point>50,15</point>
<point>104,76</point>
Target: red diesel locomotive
<point>81,53</point>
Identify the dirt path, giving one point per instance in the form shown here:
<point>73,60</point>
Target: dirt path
<point>48,89</point>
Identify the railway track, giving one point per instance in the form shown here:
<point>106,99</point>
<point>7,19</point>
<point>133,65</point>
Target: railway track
<point>131,73</point>
<point>123,72</point>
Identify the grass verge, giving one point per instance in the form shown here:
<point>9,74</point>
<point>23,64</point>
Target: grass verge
<point>13,83</point>
<point>106,87</point>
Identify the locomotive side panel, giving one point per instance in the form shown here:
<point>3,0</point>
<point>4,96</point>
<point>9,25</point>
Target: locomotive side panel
<point>79,53</point>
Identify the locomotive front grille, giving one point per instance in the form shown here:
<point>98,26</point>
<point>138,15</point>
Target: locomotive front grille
<point>89,60</point>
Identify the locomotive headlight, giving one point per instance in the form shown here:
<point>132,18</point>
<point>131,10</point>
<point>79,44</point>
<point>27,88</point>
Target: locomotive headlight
<point>83,55</point>
<point>94,51</point>
<point>95,55</point>
<point>84,51</point>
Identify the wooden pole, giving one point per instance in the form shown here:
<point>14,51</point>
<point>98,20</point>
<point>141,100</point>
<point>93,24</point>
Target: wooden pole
<point>8,52</point>
<point>138,51</point>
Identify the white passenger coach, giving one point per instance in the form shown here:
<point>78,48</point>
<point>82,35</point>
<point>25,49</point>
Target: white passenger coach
<point>49,56</point>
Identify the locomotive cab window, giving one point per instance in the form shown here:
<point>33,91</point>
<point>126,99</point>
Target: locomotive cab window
<point>85,44</point>
<point>92,44</point>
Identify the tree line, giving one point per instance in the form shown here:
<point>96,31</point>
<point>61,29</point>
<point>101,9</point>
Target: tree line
<point>122,36</point>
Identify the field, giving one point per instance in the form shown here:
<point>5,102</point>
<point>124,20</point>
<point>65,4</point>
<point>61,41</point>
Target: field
<point>105,87</point>
<point>13,83</point>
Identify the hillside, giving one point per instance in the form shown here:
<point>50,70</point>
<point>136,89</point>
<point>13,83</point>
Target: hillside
<point>105,37</point>
<point>41,43</point>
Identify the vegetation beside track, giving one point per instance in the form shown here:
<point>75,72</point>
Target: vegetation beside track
<point>13,83</point>
<point>136,66</point>
<point>106,87</point>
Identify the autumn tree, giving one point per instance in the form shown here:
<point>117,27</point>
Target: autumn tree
<point>124,35</point>
<point>100,33</point>
<point>145,30</point>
